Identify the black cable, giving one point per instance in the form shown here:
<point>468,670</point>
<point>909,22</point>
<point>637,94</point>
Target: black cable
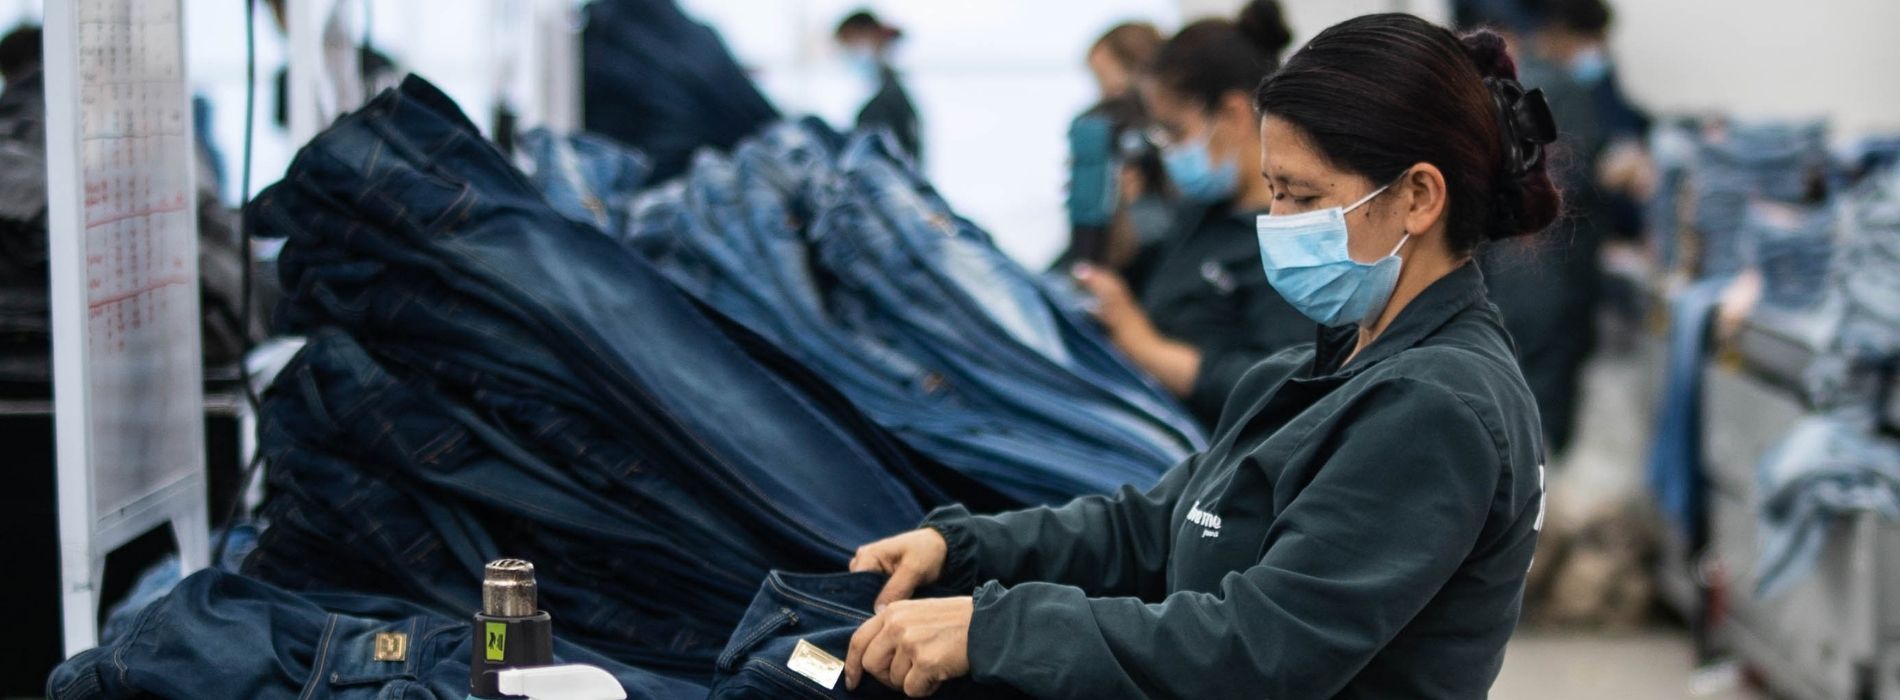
<point>247,343</point>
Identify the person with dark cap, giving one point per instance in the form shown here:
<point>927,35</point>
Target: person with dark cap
<point>866,43</point>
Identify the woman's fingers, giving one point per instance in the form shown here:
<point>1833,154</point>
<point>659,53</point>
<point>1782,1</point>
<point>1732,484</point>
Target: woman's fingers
<point>854,656</point>
<point>921,682</point>
<point>903,584</point>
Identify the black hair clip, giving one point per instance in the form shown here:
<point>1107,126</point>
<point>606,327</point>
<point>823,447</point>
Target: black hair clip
<point>1528,124</point>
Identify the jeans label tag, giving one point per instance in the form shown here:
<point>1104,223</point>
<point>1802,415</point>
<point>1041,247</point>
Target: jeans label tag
<point>812,662</point>
<point>392,646</point>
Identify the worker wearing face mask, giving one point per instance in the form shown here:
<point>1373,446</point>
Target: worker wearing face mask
<point>1363,520</point>
<point>1197,311</point>
<point>866,43</point>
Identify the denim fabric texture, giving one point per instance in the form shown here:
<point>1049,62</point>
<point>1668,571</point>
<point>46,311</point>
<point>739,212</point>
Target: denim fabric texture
<point>833,248</point>
<point>820,609</point>
<point>223,636</point>
<point>1825,470</point>
<point>1676,475</point>
<point>663,83</point>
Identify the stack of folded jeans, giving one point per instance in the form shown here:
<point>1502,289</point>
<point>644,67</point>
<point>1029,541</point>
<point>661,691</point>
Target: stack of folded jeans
<point>1863,289</point>
<point>1737,163</point>
<point>486,378</point>
<point>656,80</point>
<point>1867,271</point>
<point>1791,246</point>
<point>219,635</point>
<point>833,248</point>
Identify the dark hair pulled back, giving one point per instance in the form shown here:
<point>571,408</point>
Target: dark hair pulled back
<point>1378,94</point>
<point>1213,57</point>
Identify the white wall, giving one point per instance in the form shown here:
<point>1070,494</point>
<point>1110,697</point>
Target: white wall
<point>1763,58</point>
<point>450,42</point>
<point>1749,58</point>
<point>1308,17</point>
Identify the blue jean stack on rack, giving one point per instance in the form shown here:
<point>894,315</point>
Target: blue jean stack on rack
<point>1836,464</point>
<point>835,250</point>
<point>1756,195</point>
<point>1739,164</point>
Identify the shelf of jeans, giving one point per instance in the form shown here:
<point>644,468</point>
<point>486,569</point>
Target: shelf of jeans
<point>1836,633</point>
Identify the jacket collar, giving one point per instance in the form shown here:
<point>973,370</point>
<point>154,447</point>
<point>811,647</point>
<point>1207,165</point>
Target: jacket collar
<point>1430,310</point>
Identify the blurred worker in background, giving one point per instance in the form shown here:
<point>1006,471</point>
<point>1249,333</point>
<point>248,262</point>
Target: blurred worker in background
<point>1198,313</point>
<point>1551,288</point>
<point>866,43</point>
<point>1117,199</point>
<point>20,54</point>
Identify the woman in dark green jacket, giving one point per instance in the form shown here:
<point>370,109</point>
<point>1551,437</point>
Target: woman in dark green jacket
<point>1362,525</point>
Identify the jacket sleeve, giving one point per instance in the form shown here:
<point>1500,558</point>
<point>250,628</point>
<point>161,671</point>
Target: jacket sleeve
<point>1111,545</point>
<point>1348,563</point>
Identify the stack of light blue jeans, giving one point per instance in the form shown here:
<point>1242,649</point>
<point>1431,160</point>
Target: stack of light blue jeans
<point>1791,247</point>
<point>832,247</point>
<point>1738,163</point>
<point>487,378</point>
<point>1867,271</point>
<point>1826,469</point>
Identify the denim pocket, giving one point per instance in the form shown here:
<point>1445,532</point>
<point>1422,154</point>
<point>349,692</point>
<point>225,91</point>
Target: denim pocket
<point>742,646</point>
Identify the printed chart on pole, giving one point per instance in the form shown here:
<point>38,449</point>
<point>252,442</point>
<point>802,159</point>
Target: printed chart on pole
<point>140,247</point>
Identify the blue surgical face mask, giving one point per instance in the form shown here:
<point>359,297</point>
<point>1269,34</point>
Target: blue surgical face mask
<point>863,63</point>
<point>1589,66</point>
<point>1191,167</point>
<point>1307,262</point>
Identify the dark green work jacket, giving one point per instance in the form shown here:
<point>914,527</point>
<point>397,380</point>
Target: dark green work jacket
<point>1359,531</point>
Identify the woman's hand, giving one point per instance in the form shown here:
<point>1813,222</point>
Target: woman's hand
<point>911,559</point>
<point>1115,305</point>
<point>913,645</point>
<point>1173,363</point>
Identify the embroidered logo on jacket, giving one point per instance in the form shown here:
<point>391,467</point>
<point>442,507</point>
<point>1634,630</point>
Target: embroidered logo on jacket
<point>1209,521</point>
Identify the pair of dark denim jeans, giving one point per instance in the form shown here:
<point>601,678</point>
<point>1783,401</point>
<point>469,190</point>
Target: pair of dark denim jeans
<point>822,610</point>
<point>219,635</point>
